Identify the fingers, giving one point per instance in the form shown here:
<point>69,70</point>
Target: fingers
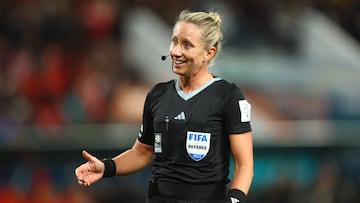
<point>87,156</point>
<point>82,175</point>
<point>81,171</point>
<point>88,172</point>
<point>82,182</point>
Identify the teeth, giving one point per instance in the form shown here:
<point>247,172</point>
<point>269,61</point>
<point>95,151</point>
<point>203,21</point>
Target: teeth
<point>179,62</point>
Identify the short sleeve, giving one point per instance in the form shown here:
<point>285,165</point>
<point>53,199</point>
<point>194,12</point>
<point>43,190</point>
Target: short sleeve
<point>146,130</point>
<point>237,112</point>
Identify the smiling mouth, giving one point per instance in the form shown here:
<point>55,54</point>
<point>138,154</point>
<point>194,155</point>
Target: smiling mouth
<point>178,62</point>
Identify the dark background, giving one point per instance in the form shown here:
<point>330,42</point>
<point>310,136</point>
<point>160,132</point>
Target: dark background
<point>74,75</point>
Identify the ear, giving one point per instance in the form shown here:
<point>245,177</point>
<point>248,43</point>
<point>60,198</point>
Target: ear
<point>209,54</point>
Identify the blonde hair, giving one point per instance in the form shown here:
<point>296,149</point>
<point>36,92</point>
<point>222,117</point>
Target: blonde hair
<point>210,23</point>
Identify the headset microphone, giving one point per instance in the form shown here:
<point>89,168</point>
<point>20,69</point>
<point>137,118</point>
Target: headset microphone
<point>164,57</point>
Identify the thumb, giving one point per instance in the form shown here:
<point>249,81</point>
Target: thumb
<point>88,156</point>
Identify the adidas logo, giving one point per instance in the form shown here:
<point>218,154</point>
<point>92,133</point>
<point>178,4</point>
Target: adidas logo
<point>180,116</point>
<point>234,200</point>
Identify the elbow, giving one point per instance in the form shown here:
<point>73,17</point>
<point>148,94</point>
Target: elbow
<point>251,173</point>
<point>247,169</point>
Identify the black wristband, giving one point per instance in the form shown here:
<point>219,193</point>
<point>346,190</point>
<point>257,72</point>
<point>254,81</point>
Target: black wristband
<point>110,168</point>
<point>235,195</point>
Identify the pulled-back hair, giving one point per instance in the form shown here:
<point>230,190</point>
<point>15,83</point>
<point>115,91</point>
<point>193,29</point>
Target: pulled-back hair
<point>210,23</point>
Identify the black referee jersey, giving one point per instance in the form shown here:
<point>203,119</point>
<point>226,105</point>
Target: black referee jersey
<point>190,132</point>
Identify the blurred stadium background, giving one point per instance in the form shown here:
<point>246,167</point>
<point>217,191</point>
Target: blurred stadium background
<point>74,75</point>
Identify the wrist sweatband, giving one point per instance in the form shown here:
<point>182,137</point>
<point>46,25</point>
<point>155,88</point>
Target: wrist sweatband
<point>110,168</point>
<point>235,195</point>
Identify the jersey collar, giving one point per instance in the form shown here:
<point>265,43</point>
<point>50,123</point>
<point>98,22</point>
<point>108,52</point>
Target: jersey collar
<point>186,96</point>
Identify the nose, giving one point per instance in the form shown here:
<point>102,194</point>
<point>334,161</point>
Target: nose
<point>175,51</point>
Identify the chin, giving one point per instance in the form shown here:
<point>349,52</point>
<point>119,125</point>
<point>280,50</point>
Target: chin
<point>177,71</point>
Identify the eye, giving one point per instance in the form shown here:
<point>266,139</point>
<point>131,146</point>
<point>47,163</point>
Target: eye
<point>174,41</point>
<point>187,45</point>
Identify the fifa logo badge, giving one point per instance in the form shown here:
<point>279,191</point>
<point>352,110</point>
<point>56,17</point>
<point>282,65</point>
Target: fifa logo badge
<point>197,145</point>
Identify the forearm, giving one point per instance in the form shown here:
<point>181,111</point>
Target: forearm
<point>242,178</point>
<point>242,149</point>
<point>130,162</point>
<point>134,159</point>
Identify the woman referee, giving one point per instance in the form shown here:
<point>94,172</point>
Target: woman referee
<point>190,127</point>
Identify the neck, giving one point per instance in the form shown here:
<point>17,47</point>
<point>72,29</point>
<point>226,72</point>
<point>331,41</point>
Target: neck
<point>191,83</point>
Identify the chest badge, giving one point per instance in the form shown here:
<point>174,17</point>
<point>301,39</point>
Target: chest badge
<point>197,145</point>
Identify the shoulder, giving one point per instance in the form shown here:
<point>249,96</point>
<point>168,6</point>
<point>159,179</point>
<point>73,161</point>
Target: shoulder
<point>228,88</point>
<point>160,88</point>
<point>223,83</point>
<point>164,84</point>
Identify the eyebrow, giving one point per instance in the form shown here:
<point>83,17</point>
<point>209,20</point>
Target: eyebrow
<point>188,41</point>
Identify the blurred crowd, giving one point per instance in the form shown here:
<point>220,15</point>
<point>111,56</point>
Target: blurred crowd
<point>346,13</point>
<point>62,62</point>
<point>35,177</point>
<point>281,176</point>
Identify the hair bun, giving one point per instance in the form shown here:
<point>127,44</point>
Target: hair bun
<point>216,18</point>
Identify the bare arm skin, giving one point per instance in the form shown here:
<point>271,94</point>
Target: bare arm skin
<point>242,150</point>
<point>134,159</point>
<point>130,161</point>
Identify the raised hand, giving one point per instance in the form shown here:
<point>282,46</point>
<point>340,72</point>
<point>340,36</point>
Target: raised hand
<point>91,171</point>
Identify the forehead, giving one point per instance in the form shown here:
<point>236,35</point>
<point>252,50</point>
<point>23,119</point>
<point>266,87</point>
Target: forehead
<point>187,30</point>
